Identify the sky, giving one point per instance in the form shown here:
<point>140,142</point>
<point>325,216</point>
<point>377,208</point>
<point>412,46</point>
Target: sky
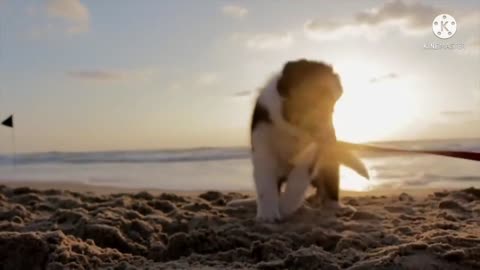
<point>86,75</point>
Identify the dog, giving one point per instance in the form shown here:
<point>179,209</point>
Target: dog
<point>293,140</point>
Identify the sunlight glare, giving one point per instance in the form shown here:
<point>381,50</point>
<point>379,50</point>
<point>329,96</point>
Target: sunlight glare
<point>373,110</point>
<point>351,181</point>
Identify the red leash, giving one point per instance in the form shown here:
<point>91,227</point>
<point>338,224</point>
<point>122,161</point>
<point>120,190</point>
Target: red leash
<point>455,154</point>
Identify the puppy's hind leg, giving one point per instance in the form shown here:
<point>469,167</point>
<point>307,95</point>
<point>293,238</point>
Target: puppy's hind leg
<point>331,181</point>
<point>331,187</point>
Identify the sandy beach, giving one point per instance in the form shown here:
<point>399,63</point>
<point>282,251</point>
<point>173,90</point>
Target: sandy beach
<point>45,228</point>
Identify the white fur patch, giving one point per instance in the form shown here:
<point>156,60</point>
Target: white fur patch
<point>265,167</point>
<point>272,101</point>
<point>274,146</point>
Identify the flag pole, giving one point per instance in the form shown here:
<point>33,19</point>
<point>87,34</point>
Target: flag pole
<point>14,148</point>
<point>10,123</point>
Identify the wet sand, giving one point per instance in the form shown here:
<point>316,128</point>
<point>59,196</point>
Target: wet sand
<point>45,228</point>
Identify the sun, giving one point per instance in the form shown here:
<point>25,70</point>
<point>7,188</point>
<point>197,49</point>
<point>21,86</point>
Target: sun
<point>373,110</point>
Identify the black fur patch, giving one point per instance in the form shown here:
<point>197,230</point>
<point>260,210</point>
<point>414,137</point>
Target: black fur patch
<point>260,114</point>
<point>329,177</point>
<point>300,103</point>
<point>296,71</point>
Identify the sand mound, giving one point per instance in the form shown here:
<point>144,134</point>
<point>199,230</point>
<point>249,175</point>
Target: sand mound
<point>55,229</point>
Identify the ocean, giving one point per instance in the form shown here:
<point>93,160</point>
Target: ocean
<point>231,169</point>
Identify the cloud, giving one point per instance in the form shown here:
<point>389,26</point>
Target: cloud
<point>112,75</point>
<point>476,97</point>
<point>234,11</point>
<point>207,78</point>
<point>72,12</point>
<point>409,17</point>
<point>96,75</point>
<point>413,15</point>
<point>329,30</point>
<point>475,42</point>
<point>193,81</point>
<point>388,76</point>
<point>174,86</point>
<point>270,41</point>
<point>457,113</point>
<point>470,17</point>
<point>265,41</point>
<point>472,47</point>
<point>243,93</point>
<point>460,116</point>
<point>465,114</point>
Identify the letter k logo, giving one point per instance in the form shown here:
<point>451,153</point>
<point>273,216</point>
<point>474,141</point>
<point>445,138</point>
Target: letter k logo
<point>444,26</point>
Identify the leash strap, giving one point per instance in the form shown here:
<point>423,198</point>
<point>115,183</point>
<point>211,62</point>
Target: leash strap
<point>455,154</point>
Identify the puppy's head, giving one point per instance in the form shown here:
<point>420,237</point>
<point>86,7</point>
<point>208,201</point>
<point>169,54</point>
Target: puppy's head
<point>310,90</point>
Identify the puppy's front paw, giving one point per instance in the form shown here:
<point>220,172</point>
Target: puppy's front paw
<point>315,201</point>
<point>340,207</point>
<point>269,214</point>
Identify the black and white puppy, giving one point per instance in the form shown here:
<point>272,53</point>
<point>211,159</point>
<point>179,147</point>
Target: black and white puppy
<point>293,139</point>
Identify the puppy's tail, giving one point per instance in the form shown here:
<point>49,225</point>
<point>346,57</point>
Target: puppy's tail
<point>342,155</point>
<point>348,158</point>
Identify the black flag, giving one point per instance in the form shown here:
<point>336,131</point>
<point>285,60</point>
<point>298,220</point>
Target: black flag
<point>8,122</point>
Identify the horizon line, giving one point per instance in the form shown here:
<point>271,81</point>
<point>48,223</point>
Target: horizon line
<point>219,147</point>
